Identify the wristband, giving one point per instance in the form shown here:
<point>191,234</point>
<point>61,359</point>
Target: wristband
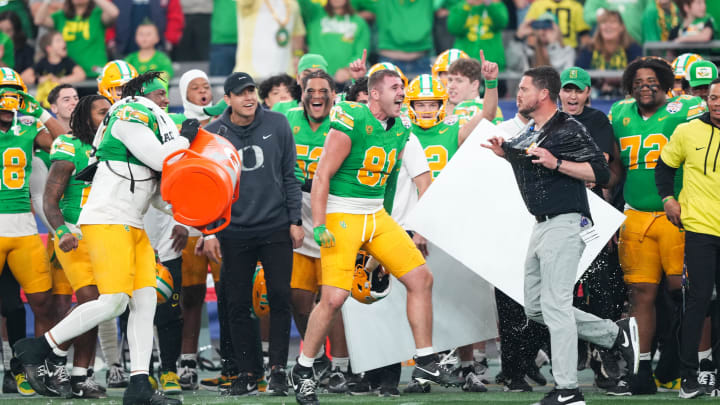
<point>559,162</point>
<point>45,116</point>
<point>208,237</point>
<point>666,199</point>
<point>491,84</point>
<point>61,230</point>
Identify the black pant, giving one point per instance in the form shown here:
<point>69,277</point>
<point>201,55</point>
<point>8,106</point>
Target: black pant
<point>240,257</point>
<point>12,306</point>
<point>520,337</point>
<point>702,261</point>
<point>169,321</point>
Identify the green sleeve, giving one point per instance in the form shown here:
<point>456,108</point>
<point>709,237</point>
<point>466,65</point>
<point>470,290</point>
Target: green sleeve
<point>499,16</point>
<point>309,10</point>
<point>456,19</point>
<point>650,28</point>
<point>62,149</point>
<point>346,117</point>
<point>362,37</point>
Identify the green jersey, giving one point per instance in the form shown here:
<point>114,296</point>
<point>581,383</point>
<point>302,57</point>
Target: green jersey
<point>308,143</point>
<point>440,142</point>
<point>69,148</point>
<point>641,141</point>
<point>402,25</point>
<point>479,27</point>
<point>16,165</point>
<point>373,154</point>
<point>111,148</point>
<point>159,62</point>
<point>85,38</point>
<point>44,156</point>
<point>468,108</point>
<point>284,106</point>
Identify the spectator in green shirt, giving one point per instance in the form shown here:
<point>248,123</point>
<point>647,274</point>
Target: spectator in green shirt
<point>336,32</point>
<point>659,19</point>
<point>82,24</point>
<point>148,57</point>
<point>478,25</point>
<point>223,37</point>
<point>697,26</point>
<point>11,25</point>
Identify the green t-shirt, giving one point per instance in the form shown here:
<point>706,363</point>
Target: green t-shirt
<point>69,148</point>
<point>440,142</point>
<point>223,23</point>
<point>402,25</point>
<point>159,62</point>
<point>630,10</point>
<point>341,39</point>
<point>373,154</point>
<point>308,143</point>
<point>8,50</point>
<point>17,7</point>
<point>111,148</point>
<point>657,24</point>
<point>284,107</point>
<point>468,108</point>
<point>641,141</point>
<point>16,165</point>
<point>85,39</point>
<point>479,27</point>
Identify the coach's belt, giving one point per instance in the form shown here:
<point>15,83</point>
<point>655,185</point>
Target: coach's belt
<point>543,218</point>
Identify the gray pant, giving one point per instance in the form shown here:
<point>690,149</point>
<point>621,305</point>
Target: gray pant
<point>550,267</point>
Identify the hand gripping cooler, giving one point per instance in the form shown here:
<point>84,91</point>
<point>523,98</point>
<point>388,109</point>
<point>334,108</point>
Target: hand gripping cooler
<point>202,182</point>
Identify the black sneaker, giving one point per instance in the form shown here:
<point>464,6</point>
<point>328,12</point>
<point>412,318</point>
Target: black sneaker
<point>501,378</point>
<point>358,384</point>
<point>243,385</point>
<point>482,370</point>
<point>116,376</point>
<point>690,388</point>
<point>58,379</point>
<point>608,363</point>
<point>707,376</point>
<point>473,383</point>
<point>620,389</point>
<point>643,383</point>
<point>140,392</point>
<point>188,375</point>
<point>322,368</point>
<point>277,383</point>
<point>563,397</point>
<point>433,371</point>
<point>627,343</point>
<point>389,391</point>
<point>516,385</point>
<point>86,387</point>
<point>417,387</point>
<point>338,382</point>
<point>9,384</point>
<point>32,353</point>
<point>303,382</point>
<point>536,376</point>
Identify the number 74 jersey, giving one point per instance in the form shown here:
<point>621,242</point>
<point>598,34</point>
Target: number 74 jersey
<point>640,142</point>
<point>16,153</point>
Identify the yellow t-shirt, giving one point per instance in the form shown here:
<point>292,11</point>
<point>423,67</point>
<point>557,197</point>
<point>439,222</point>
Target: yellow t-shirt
<point>696,144</point>
<point>569,14</point>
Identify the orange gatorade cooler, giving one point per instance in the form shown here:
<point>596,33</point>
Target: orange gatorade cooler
<point>202,182</point>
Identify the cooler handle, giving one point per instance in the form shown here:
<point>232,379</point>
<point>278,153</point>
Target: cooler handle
<point>222,226</point>
<point>176,153</point>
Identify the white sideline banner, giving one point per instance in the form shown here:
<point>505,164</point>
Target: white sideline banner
<point>463,313</point>
<point>474,212</point>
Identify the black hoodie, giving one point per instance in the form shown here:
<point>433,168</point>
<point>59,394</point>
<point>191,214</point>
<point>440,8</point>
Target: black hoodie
<point>270,196</point>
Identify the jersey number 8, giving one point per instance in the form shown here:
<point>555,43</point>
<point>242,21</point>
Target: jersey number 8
<point>13,173</point>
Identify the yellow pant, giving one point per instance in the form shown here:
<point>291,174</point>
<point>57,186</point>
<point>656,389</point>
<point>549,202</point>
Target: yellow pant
<point>121,257</point>
<point>76,265</point>
<point>61,285</point>
<point>26,257</point>
<point>306,273</point>
<point>650,244</point>
<point>195,268</point>
<point>378,234</point>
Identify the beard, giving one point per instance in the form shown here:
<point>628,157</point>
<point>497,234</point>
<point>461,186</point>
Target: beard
<point>637,95</point>
<point>527,112</point>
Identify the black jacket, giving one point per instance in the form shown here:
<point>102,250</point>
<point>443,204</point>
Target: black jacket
<point>270,196</point>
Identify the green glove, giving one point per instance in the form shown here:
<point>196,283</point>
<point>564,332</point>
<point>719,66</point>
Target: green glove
<point>30,106</point>
<point>217,109</point>
<point>323,237</point>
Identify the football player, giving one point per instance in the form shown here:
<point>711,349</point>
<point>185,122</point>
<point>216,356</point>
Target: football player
<point>443,62</point>
<point>680,67</point>
<point>64,198</point>
<point>463,89</point>
<point>114,75</point>
<point>310,62</point>
<point>137,138</point>
<point>649,245</point>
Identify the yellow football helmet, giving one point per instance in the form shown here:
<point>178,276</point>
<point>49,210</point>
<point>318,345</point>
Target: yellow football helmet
<point>261,306</point>
<point>165,283</point>
<point>444,60</point>
<point>387,65</point>
<point>681,64</point>
<point>10,78</point>
<point>113,76</point>
<point>426,87</point>
<point>369,282</point>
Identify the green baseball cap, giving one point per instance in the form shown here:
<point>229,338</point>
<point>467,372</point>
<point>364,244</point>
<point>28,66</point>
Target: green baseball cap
<point>312,61</point>
<point>701,73</point>
<point>575,75</point>
<point>548,15</point>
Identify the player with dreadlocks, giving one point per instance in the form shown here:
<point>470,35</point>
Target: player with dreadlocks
<point>63,200</point>
<point>138,136</point>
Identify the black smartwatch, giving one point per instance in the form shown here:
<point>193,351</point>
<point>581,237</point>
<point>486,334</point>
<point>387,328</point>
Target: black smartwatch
<point>559,162</point>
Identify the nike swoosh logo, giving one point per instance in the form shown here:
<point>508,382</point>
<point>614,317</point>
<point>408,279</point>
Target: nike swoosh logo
<point>435,374</point>
<point>267,136</point>
<point>626,342</point>
<point>565,399</point>
<point>700,148</point>
<point>661,119</point>
<point>79,393</point>
<point>442,131</point>
<point>250,387</point>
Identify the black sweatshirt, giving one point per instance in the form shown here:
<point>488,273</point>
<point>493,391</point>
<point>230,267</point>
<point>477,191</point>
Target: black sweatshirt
<point>545,191</point>
<point>270,196</point>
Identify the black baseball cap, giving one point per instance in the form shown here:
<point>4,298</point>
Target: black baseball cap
<point>237,82</point>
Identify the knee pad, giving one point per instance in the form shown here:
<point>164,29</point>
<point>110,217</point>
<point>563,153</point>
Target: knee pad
<point>116,303</point>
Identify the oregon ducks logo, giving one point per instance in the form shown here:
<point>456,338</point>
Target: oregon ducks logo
<point>253,158</point>
<point>369,129</point>
<point>296,129</point>
<point>626,121</point>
